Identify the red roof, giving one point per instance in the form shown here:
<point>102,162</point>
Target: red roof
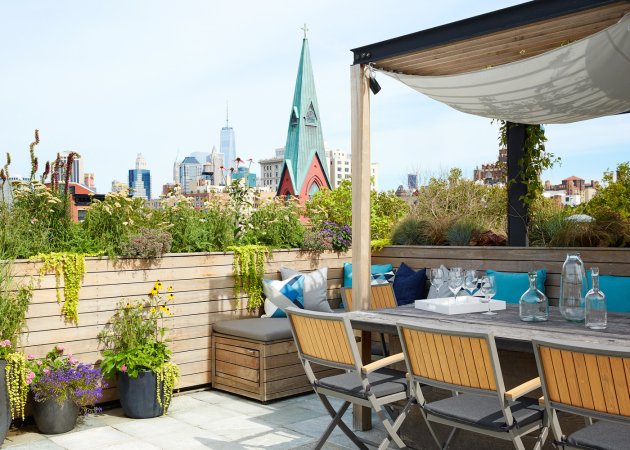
<point>573,178</point>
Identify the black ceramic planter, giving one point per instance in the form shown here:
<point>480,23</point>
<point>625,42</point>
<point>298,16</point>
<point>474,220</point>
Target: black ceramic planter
<point>138,396</point>
<point>54,418</point>
<point>5,411</point>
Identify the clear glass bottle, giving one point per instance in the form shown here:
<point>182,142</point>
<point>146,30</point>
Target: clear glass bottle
<point>533,305</point>
<point>595,300</point>
<point>573,288</point>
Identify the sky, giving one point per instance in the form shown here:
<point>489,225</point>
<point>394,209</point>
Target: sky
<point>113,79</point>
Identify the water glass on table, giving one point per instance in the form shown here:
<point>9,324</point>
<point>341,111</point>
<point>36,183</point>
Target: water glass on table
<point>470,282</point>
<point>437,278</point>
<point>456,280</point>
<point>488,289</point>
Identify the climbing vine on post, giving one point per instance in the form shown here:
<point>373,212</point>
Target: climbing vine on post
<point>535,160</point>
<point>72,267</point>
<point>248,269</point>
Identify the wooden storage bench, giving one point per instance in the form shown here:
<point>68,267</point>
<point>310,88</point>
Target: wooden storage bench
<point>257,358</point>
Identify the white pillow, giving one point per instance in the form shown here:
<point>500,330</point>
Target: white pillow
<point>315,287</point>
<point>280,295</point>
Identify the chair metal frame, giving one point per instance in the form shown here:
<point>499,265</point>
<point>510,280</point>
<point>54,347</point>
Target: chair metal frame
<point>486,359</point>
<point>547,351</point>
<point>337,348</point>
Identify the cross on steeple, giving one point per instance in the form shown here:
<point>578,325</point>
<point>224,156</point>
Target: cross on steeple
<point>305,29</point>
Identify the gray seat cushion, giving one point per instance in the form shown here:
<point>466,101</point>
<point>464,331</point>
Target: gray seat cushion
<point>484,411</point>
<point>602,435</point>
<point>383,382</point>
<point>259,329</point>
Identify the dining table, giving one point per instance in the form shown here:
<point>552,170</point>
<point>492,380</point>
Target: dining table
<point>510,332</point>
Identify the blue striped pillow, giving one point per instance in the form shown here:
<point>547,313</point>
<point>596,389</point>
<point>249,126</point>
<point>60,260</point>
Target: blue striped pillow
<point>283,294</point>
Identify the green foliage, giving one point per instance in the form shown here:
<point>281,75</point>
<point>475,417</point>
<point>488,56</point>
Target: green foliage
<point>248,268</point>
<point>385,211</point>
<point>14,301</point>
<point>72,267</point>
<point>614,197</point>
<point>276,224</point>
<point>410,231</point>
<point>536,159</point>
<point>447,199</point>
<point>17,383</point>
<point>134,338</point>
<point>461,232</point>
<point>167,377</point>
<point>146,243</point>
<point>378,244</point>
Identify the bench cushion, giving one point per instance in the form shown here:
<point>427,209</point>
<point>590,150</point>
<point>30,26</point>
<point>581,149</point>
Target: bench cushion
<point>601,435</point>
<point>258,329</point>
<point>511,286</point>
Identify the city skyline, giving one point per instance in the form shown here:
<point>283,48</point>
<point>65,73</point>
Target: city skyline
<point>156,80</point>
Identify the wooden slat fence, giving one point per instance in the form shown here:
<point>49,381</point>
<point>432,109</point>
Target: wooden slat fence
<point>202,286</point>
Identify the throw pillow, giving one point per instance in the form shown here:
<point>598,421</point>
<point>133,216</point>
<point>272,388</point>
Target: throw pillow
<point>616,290</point>
<point>409,285</point>
<point>315,288</point>
<point>374,270</point>
<point>511,285</point>
<point>443,291</point>
<point>283,294</point>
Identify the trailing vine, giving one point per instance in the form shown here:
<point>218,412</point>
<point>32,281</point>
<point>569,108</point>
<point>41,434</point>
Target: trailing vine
<point>167,377</point>
<point>535,160</point>
<point>72,267</point>
<point>17,384</point>
<point>248,268</point>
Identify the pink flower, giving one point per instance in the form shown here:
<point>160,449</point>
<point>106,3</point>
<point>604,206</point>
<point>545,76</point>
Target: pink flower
<point>123,368</point>
<point>5,343</point>
<point>46,370</point>
<point>59,348</point>
<point>30,357</point>
<point>72,360</point>
<point>30,375</point>
<point>39,363</point>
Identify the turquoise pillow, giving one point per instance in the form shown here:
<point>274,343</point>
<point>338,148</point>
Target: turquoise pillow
<point>374,269</point>
<point>617,292</point>
<point>511,285</point>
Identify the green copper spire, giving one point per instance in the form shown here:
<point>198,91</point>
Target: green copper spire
<point>305,140</point>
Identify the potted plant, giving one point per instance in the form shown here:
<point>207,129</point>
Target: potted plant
<point>62,387</point>
<point>136,352</point>
<point>14,300</point>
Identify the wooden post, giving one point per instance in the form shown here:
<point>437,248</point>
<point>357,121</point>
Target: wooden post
<point>517,210</point>
<point>361,256</point>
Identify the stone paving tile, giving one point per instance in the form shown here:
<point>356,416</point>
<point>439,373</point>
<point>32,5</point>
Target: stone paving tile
<point>185,402</point>
<point>205,415</point>
<point>290,414</point>
<point>133,444</point>
<point>22,436</point>
<point>93,438</point>
<point>279,439</point>
<point>43,444</point>
<point>210,396</point>
<point>145,427</point>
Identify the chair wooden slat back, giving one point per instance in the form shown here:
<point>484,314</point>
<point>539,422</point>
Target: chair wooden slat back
<point>381,296</point>
<point>449,358</point>
<point>323,339</point>
<point>586,379</point>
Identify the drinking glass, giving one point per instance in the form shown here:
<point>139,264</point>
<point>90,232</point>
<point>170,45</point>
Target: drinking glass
<point>470,282</point>
<point>488,289</point>
<point>437,278</point>
<point>455,280</point>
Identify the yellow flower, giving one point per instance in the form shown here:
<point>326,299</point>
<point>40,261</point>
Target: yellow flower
<point>170,297</point>
<point>153,311</point>
<point>158,285</point>
<point>153,292</point>
<point>127,306</point>
<point>170,288</point>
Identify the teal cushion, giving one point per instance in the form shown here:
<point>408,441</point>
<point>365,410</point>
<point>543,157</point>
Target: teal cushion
<point>511,285</point>
<point>375,269</point>
<point>617,292</point>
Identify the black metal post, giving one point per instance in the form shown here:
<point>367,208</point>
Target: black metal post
<point>517,210</point>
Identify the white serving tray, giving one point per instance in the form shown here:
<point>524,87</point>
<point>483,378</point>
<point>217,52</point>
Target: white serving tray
<point>464,305</point>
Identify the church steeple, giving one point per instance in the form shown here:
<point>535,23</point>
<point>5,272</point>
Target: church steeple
<point>305,167</point>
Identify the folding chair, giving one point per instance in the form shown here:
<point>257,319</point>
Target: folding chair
<point>327,339</point>
<point>381,296</point>
<point>591,381</point>
<point>467,363</point>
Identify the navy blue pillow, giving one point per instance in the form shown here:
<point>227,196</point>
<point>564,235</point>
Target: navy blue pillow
<point>409,285</point>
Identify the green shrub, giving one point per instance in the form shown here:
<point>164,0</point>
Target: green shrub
<point>147,243</point>
<point>276,224</point>
<point>410,231</point>
<point>461,232</point>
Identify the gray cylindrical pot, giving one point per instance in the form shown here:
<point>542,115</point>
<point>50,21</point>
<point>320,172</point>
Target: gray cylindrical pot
<point>51,417</point>
<point>5,405</point>
<point>138,395</point>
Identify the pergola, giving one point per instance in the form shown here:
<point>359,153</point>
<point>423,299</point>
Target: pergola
<point>545,61</point>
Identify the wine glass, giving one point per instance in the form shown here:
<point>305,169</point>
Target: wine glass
<point>470,282</point>
<point>437,278</point>
<point>455,280</point>
<point>488,289</point>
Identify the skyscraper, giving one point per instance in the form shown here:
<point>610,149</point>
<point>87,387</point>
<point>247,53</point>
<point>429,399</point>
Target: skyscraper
<point>76,174</point>
<point>228,143</point>
<point>140,179</point>
<point>189,173</point>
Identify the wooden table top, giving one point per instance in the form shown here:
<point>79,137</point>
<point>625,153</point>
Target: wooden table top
<point>506,325</point>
